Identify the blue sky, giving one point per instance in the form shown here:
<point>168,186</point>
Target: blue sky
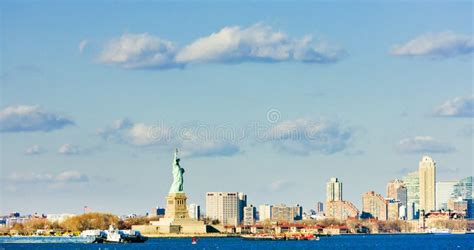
<point>95,96</point>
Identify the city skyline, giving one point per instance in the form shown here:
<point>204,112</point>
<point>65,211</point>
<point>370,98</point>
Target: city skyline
<point>272,103</point>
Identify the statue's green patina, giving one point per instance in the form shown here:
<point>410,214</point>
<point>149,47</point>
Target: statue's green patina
<point>178,171</point>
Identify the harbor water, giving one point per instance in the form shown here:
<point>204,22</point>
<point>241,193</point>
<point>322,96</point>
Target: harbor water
<point>394,241</point>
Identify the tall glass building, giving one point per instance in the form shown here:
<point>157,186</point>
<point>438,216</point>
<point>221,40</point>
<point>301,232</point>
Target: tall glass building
<point>412,184</point>
<point>463,188</point>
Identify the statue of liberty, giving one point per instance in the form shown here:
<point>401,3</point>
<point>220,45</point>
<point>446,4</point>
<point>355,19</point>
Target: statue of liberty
<point>178,171</point>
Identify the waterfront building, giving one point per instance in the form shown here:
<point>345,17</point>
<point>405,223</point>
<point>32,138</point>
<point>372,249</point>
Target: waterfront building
<point>249,215</point>
<point>264,212</point>
<point>227,207</point>
<point>194,211</point>
<point>333,190</point>
<point>242,204</point>
<point>470,208</point>
<point>319,207</point>
<point>393,209</point>
<point>374,205</point>
<point>402,212</point>
<point>458,205</point>
<point>412,184</point>
<point>427,173</point>
<point>444,191</point>
<point>297,212</point>
<point>281,212</point>
<point>341,210</point>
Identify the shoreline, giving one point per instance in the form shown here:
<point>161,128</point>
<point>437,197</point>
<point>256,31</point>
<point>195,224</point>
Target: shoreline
<point>218,235</point>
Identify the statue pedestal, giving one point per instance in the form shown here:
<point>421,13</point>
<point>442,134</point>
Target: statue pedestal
<point>176,206</point>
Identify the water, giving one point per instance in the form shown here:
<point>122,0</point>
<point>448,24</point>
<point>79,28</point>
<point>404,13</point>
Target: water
<point>453,241</point>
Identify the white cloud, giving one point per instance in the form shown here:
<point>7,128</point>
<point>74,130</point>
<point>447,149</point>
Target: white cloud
<point>195,146</point>
<point>280,185</point>
<point>34,150</point>
<point>71,176</point>
<point>141,134</point>
<point>136,134</point>
<point>234,44</point>
<point>304,136</point>
<point>23,118</point>
<point>436,45</point>
<point>139,51</point>
<point>423,144</point>
<point>82,45</point>
<point>69,149</point>
<point>191,145</point>
<point>255,43</point>
<point>457,107</point>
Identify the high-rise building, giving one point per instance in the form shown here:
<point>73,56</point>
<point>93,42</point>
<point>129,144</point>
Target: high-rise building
<point>374,206</point>
<point>396,190</point>
<point>249,215</point>
<point>444,191</point>
<point>242,204</point>
<point>333,190</point>
<point>227,207</point>
<point>427,172</point>
<point>412,184</point>
<point>319,207</point>
<point>392,187</point>
<point>341,210</point>
<point>194,211</point>
<point>264,212</point>
<point>297,212</point>
<point>393,209</point>
<point>464,188</point>
<point>281,212</point>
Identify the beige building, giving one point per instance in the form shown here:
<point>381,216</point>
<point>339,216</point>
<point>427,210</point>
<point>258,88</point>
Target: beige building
<point>374,206</point>
<point>264,212</point>
<point>249,215</point>
<point>393,209</point>
<point>341,210</point>
<point>427,173</point>
<point>396,190</point>
<point>281,212</point>
<point>333,190</point>
<point>227,207</point>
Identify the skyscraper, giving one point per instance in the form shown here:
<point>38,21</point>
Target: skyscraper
<point>463,188</point>
<point>374,206</point>
<point>341,210</point>
<point>427,173</point>
<point>412,183</point>
<point>444,191</point>
<point>249,215</point>
<point>264,212</point>
<point>281,212</point>
<point>333,190</point>
<point>227,207</point>
<point>319,207</point>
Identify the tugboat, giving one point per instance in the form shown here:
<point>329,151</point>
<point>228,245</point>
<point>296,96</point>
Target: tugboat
<point>120,236</point>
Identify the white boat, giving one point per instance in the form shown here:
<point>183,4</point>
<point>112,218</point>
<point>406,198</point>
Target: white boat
<point>435,230</point>
<point>120,236</point>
